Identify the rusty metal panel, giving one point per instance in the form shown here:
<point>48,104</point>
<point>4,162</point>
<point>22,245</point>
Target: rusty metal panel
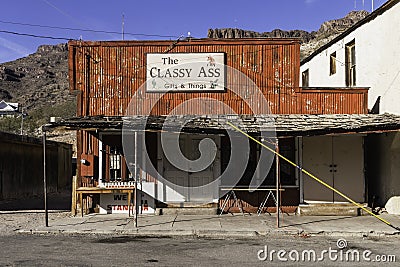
<point>87,169</point>
<point>333,101</point>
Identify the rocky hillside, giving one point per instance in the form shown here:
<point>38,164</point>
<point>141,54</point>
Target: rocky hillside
<point>310,40</point>
<point>37,80</point>
<point>39,83</point>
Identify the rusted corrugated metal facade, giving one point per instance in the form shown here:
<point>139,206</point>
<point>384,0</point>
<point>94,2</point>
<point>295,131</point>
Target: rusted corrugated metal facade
<point>107,75</point>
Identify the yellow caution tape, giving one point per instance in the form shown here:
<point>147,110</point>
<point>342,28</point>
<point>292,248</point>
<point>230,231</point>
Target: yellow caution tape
<point>313,176</point>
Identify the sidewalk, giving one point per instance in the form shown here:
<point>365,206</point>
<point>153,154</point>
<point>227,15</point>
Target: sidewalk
<point>213,226</point>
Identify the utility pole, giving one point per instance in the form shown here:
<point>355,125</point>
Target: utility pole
<point>22,120</point>
<point>135,173</point>
<point>123,24</point>
<point>277,177</point>
<point>46,214</point>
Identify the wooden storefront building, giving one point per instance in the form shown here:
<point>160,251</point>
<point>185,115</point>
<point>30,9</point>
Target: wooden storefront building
<point>318,128</point>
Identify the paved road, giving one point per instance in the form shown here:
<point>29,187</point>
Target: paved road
<point>28,250</point>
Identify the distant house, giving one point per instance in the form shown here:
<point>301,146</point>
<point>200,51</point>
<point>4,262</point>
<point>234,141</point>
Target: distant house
<point>367,55</point>
<point>8,109</point>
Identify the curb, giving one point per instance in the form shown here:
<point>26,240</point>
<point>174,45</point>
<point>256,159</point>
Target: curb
<point>32,211</point>
<point>211,234</point>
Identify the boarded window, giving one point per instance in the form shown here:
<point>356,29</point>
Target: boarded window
<point>305,77</point>
<point>332,64</point>
<point>350,58</point>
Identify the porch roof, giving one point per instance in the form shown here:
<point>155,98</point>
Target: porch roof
<point>285,124</point>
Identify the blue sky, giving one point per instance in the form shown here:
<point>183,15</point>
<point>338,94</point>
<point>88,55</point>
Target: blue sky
<point>163,19</point>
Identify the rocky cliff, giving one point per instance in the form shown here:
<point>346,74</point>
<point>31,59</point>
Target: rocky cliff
<point>239,33</point>
<point>310,40</point>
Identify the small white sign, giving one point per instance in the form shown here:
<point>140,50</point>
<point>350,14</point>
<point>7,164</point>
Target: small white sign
<point>182,72</point>
<point>118,203</point>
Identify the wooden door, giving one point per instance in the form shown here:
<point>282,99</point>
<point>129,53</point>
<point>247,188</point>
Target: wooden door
<point>348,167</point>
<point>317,158</point>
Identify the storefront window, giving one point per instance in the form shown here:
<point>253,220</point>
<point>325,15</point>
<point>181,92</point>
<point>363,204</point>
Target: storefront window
<point>287,171</point>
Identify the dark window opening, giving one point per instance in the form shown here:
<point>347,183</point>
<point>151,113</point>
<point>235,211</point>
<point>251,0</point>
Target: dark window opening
<point>305,78</point>
<point>332,64</point>
<point>115,164</point>
<point>350,59</point>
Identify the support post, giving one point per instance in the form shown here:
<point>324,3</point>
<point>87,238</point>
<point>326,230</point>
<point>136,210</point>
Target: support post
<point>277,178</point>
<point>136,183</point>
<point>101,185</point>
<point>74,200</point>
<point>44,179</point>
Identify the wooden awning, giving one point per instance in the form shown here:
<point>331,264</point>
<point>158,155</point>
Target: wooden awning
<point>283,124</point>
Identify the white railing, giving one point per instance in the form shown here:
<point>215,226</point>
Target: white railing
<point>117,184</point>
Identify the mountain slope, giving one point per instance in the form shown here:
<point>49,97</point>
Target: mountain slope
<point>310,40</point>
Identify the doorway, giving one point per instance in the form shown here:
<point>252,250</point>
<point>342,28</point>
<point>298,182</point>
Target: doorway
<point>339,162</point>
<point>187,185</point>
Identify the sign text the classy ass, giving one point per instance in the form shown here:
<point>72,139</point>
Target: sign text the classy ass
<point>185,72</point>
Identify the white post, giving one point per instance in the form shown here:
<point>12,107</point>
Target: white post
<point>22,120</point>
<point>100,162</point>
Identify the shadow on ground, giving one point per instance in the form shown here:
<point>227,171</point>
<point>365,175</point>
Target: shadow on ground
<point>55,201</point>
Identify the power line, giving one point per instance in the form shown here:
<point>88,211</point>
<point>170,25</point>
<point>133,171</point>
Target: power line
<point>86,30</point>
<point>37,36</point>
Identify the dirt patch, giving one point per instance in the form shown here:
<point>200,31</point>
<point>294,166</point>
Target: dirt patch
<point>12,221</point>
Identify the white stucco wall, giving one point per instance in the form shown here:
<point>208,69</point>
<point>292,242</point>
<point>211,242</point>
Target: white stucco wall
<point>377,61</point>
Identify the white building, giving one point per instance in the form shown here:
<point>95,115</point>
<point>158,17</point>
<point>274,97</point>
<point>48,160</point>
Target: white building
<point>8,109</point>
<point>367,55</point>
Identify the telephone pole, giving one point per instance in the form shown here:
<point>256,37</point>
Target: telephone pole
<point>123,24</point>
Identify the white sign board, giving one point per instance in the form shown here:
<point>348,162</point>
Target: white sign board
<point>118,203</point>
<point>180,72</point>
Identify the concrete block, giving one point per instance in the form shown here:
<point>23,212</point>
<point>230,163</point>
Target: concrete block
<point>328,210</point>
<point>393,205</point>
<point>188,211</point>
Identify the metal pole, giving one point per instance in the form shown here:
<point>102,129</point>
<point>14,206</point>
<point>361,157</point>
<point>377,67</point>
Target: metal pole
<point>277,176</point>
<point>44,179</point>
<point>123,26</point>
<point>22,120</point>
<point>136,183</point>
